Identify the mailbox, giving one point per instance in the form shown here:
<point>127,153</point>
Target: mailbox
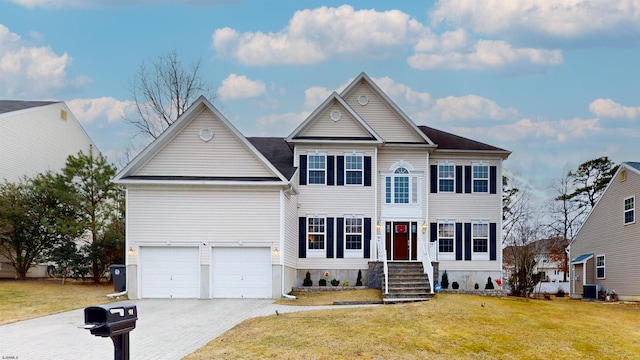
<point>111,319</point>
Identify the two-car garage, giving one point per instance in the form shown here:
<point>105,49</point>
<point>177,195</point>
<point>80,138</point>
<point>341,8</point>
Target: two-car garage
<point>175,272</point>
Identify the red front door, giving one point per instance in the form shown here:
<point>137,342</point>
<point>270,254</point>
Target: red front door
<point>397,236</point>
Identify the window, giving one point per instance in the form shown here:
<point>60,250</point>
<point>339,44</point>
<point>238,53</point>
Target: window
<point>353,169</point>
<point>446,176</point>
<point>600,266</point>
<point>629,210</point>
<point>480,238</point>
<point>480,178</point>
<point>401,187</point>
<point>446,234</point>
<point>353,233</point>
<point>316,233</point>
<point>317,168</point>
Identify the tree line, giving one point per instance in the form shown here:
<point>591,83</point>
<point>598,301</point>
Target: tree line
<point>72,219</point>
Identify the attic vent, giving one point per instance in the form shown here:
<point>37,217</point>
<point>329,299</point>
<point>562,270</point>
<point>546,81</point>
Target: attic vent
<point>363,100</point>
<point>623,175</point>
<point>336,115</point>
<point>206,134</point>
<point>63,115</point>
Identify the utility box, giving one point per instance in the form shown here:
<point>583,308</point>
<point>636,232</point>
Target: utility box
<point>119,277</point>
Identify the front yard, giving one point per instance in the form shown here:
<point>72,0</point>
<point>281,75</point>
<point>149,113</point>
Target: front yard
<point>448,327</point>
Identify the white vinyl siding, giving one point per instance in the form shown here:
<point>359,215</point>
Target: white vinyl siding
<point>324,126</point>
<point>187,155</point>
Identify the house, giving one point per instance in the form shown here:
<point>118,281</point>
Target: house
<point>211,213</point>
<point>36,136</point>
<point>606,248</point>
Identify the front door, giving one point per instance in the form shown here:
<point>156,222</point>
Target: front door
<point>401,240</point>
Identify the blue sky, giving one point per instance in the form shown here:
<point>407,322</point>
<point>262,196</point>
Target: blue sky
<point>557,82</point>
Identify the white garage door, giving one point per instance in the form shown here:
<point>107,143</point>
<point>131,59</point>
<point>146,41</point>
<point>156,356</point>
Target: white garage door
<point>241,273</point>
<point>169,272</point>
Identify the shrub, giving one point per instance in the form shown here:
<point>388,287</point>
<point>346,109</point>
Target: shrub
<point>476,286</point>
<point>359,280</point>
<point>560,292</point>
<point>322,282</point>
<point>455,285</point>
<point>445,280</point>
<point>335,282</point>
<point>489,285</point>
<point>307,280</point>
<point>345,283</point>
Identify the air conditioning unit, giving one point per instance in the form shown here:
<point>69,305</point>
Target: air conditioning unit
<point>590,291</point>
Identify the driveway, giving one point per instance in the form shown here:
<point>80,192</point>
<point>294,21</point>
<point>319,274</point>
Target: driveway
<point>166,329</point>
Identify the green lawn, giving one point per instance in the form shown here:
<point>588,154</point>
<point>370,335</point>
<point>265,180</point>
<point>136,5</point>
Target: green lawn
<point>448,327</point>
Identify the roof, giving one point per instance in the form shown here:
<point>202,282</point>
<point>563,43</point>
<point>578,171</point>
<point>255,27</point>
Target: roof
<point>448,141</point>
<point>582,258</point>
<point>7,106</point>
<point>635,165</point>
<point>277,151</point>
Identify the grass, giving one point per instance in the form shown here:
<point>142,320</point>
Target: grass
<point>328,297</point>
<point>448,327</point>
<point>28,299</point>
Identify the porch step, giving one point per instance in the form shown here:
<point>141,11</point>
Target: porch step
<point>407,283</point>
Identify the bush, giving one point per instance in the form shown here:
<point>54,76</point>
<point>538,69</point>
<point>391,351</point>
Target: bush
<point>560,292</point>
<point>307,280</point>
<point>322,282</point>
<point>335,282</point>
<point>445,280</point>
<point>359,280</point>
<point>455,285</point>
<point>489,285</point>
<point>345,283</point>
<point>476,286</point>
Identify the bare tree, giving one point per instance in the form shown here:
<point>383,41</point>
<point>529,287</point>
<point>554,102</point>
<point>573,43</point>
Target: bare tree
<point>521,255</point>
<point>516,204</point>
<point>163,91</point>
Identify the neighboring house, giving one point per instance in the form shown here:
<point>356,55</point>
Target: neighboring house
<point>36,136</point>
<point>606,249</point>
<point>211,213</point>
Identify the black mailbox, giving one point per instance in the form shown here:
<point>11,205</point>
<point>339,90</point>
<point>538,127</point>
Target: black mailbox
<point>111,319</point>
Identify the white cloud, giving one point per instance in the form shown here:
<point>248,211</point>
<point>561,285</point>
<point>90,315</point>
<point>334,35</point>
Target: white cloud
<point>34,71</point>
<point>315,35</point>
<point>236,87</point>
<point>278,124</point>
<point>470,107</point>
<point>610,109</point>
<point>315,95</point>
<point>403,92</point>
<point>88,110</point>
<point>588,20</point>
<point>109,3</point>
<point>488,55</point>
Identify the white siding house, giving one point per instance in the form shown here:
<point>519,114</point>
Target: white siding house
<point>36,136</point>
<point>356,183</point>
<point>604,254</point>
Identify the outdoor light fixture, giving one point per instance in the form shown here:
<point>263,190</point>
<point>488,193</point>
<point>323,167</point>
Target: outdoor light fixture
<point>378,227</point>
<point>276,251</point>
<point>424,227</point>
<point>132,251</point>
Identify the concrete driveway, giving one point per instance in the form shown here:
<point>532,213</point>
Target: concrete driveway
<point>166,329</point>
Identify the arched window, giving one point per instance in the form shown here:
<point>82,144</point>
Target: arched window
<point>401,187</point>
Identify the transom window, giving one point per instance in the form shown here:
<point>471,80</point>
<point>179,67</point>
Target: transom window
<point>317,168</point>
<point>446,177</point>
<point>353,169</point>
<point>480,236</point>
<point>480,178</point>
<point>353,233</point>
<point>629,210</point>
<point>600,266</point>
<point>446,234</point>
<point>316,233</point>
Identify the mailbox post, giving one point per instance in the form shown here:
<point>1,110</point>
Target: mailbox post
<point>114,320</point>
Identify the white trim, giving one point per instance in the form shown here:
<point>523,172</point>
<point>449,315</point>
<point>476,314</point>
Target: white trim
<point>480,255</point>
<point>473,178</point>
<point>344,171</point>
<point>326,170</point>
<point>604,266</point>
<point>353,253</point>
<point>446,163</point>
<point>632,209</point>
<point>316,253</point>
<point>446,255</point>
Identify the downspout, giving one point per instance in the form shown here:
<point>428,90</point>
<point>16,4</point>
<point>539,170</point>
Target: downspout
<point>281,260</point>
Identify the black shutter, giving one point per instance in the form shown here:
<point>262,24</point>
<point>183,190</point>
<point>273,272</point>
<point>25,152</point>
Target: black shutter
<point>340,238</point>
<point>367,238</point>
<point>340,171</point>
<point>330,170</point>
<point>492,241</point>
<point>303,169</point>
<point>467,179</point>
<point>434,178</point>
<point>367,171</point>
<point>434,232</point>
<point>467,241</point>
<point>329,237</point>
<point>302,237</point>
<point>458,179</point>
<point>458,241</point>
<point>492,179</point>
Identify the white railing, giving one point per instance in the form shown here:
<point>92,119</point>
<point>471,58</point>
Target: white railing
<point>382,254</point>
<point>428,248</point>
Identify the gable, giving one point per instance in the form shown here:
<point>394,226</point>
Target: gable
<point>189,155</point>
<point>335,121</point>
<point>378,113</point>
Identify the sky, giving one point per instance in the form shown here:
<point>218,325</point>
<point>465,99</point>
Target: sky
<point>556,82</point>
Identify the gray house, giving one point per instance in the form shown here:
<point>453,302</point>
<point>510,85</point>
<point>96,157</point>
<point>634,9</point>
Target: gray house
<point>604,254</point>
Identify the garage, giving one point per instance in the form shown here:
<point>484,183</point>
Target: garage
<point>241,272</point>
<point>169,272</point>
